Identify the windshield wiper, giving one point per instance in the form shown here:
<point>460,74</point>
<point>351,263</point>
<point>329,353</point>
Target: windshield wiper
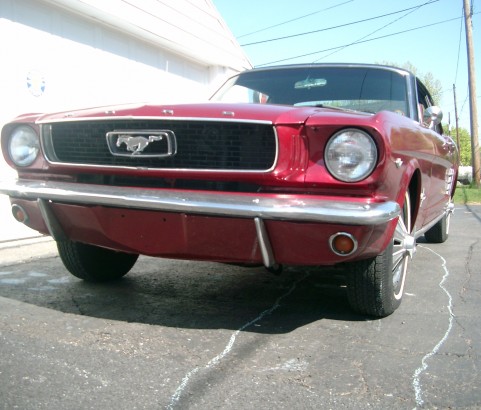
<point>332,107</point>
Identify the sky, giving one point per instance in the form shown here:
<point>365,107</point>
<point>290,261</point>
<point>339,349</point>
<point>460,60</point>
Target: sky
<point>430,34</point>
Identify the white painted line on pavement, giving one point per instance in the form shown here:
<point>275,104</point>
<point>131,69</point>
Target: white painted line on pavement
<point>214,361</point>
<point>424,365</point>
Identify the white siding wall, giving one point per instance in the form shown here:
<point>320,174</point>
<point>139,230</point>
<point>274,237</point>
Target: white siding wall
<point>193,28</point>
<point>66,54</point>
<point>84,63</point>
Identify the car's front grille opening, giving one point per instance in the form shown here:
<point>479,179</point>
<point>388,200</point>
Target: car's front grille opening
<point>211,145</point>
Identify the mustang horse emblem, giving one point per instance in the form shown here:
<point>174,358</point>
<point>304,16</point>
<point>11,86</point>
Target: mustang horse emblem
<point>136,144</point>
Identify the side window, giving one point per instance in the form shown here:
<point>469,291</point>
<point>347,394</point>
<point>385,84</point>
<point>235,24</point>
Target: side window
<point>423,95</point>
<point>424,101</point>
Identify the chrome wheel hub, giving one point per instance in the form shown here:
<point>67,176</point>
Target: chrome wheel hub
<point>404,248</point>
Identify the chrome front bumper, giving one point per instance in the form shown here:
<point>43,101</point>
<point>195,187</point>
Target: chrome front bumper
<point>241,205</point>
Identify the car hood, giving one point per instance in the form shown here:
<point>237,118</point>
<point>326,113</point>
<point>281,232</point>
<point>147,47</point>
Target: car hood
<point>275,114</point>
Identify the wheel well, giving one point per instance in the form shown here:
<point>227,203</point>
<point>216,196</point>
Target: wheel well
<point>414,190</point>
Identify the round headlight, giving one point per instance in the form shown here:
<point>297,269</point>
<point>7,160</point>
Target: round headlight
<point>23,146</point>
<point>350,155</point>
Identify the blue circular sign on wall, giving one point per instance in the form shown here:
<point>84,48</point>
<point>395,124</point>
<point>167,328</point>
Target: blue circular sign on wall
<point>36,83</point>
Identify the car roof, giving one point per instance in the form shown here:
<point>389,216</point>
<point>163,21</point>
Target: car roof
<point>340,65</point>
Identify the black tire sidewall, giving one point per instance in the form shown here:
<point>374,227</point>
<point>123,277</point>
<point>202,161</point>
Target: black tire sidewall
<point>93,263</point>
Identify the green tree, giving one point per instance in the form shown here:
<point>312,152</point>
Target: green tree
<point>464,144</point>
<point>433,85</point>
<point>465,154</point>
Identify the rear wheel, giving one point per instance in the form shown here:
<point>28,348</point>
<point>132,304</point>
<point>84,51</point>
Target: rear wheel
<point>440,231</point>
<point>375,286</point>
<point>93,263</point>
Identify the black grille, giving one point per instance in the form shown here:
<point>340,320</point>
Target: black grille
<point>200,144</point>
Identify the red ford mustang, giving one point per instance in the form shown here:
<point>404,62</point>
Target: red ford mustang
<point>293,165</point>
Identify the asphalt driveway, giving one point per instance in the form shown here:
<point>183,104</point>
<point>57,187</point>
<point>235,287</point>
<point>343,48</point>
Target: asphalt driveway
<point>176,334</point>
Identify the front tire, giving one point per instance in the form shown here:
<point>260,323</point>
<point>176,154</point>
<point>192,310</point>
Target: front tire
<point>375,286</point>
<point>93,263</point>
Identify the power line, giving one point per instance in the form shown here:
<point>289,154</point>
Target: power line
<point>294,19</point>
<point>360,42</point>
<point>371,33</point>
<point>339,26</point>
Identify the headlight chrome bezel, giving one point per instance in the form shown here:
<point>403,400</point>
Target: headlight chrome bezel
<point>351,155</point>
<point>23,145</point>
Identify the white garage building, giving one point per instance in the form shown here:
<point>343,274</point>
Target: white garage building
<point>62,54</point>
<point>65,54</point>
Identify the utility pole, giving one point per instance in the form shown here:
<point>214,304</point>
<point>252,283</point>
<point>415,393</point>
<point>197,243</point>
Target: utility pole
<point>473,110</point>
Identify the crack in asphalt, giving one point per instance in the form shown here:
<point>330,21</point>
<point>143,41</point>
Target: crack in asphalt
<point>217,359</point>
<point>467,270</point>
<point>424,362</point>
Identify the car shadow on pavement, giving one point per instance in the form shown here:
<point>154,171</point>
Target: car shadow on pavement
<point>184,294</point>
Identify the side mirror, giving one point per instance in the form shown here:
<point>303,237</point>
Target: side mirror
<point>432,116</point>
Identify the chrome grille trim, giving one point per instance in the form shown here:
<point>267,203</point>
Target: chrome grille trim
<point>69,118</point>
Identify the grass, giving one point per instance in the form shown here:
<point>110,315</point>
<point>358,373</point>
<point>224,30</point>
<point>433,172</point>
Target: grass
<point>467,194</point>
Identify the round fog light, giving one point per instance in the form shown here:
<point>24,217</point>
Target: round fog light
<point>343,243</point>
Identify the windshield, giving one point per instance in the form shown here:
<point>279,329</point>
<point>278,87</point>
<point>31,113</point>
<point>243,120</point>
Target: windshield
<point>368,89</point>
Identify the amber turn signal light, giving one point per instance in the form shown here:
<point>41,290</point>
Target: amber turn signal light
<point>19,213</point>
<point>343,243</point>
